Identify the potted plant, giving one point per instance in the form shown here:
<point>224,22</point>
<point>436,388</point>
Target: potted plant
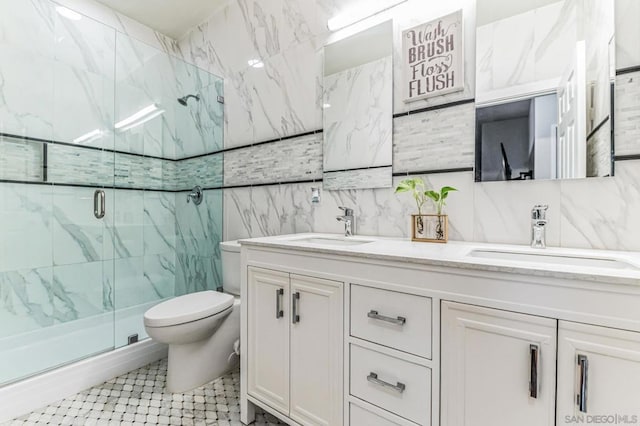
<point>427,227</point>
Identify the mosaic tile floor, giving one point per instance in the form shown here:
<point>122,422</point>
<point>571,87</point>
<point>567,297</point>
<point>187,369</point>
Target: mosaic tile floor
<point>139,398</point>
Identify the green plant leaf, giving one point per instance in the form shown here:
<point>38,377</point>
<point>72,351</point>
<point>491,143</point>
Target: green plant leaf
<point>433,195</point>
<point>444,191</point>
<point>402,188</point>
<point>412,184</point>
<point>416,187</point>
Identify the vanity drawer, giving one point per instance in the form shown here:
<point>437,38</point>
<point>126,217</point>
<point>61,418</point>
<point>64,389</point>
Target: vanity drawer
<point>359,416</point>
<point>375,317</point>
<point>398,386</point>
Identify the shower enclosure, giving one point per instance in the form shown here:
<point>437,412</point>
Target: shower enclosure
<point>99,144</point>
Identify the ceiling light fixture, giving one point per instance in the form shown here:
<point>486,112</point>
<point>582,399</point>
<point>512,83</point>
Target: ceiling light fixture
<point>364,10</point>
<point>68,13</point>
<point>256,63</point>
<point>145,114</point>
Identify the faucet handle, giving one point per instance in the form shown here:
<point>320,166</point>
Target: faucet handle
<point>347,211</point>
<point>539,212</point>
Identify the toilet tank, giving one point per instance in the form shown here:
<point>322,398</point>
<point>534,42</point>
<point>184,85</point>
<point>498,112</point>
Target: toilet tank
<point>230,252</point>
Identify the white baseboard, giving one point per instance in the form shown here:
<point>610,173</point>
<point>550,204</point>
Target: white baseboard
<point>25,396</point>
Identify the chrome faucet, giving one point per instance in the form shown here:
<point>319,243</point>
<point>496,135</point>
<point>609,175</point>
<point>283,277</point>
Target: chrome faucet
<point>196,195</point>
<point>349,221</point>
<point>539,226</point>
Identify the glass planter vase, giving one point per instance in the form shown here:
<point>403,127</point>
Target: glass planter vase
<point>432,228</point>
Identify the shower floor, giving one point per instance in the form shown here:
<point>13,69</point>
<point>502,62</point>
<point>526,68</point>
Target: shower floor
<point>139,398</point>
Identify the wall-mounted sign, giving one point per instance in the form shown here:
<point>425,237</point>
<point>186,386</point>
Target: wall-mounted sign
<point>433,58</point>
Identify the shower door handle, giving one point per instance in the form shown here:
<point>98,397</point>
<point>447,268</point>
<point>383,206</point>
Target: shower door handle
<point>98,203</point>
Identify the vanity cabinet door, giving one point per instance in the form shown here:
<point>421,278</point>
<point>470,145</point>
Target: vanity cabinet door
<point>598,373</point>
<point>316,351</point>
<point>268,337</point>
<point>498,368</point>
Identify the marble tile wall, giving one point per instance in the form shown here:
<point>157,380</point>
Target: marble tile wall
<point>287,160</point>
<point>123,24</point>
<point>497,212</point>
<point>440,139</point>
<point>198,234</point>
<point>148,76</point>
<point>23,161</point>
<point>285,96</point>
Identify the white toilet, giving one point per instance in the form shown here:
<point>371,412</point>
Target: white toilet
<point>200,328</point>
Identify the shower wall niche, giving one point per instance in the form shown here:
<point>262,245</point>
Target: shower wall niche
<point>85,111</point>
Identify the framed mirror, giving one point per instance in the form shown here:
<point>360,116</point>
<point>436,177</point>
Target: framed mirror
<point>358,110</point>
<point>545,75</point>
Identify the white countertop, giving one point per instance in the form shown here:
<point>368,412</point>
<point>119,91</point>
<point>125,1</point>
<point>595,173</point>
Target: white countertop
<point>456,254</point>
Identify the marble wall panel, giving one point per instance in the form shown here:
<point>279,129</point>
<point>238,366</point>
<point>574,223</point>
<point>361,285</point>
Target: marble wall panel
<point>198,235</point>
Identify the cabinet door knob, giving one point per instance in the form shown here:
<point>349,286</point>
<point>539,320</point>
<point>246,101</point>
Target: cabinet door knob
<point>583,364</point>
<point>375,315</point>
<point>279,311</point>
<point>398,387</point>
<point>295,298</point>
<point>533,370</point>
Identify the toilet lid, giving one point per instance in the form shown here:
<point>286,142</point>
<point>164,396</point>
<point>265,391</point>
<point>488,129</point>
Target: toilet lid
<point>187,308</point>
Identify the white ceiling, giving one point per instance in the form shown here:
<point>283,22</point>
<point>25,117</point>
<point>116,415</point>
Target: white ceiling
<point>171,17</point>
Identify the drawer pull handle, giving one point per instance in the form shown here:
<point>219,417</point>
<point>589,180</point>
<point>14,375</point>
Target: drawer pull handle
<point>583,363</point>
<point>377,316</point>
<point>295,300</point>
<point>533,370</point>
<point>398,387</point>
<point>279,311</point>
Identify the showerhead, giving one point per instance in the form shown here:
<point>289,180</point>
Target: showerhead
<point>183,100</point>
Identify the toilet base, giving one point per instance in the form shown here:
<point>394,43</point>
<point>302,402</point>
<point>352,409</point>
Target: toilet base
<point>191,365</point>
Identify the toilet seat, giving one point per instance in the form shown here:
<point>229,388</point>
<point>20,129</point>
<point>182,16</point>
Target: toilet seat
<point>188,308</point>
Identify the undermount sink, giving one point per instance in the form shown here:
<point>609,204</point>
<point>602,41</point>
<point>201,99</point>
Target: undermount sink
<point>554,258</point>
<point>327,241</point>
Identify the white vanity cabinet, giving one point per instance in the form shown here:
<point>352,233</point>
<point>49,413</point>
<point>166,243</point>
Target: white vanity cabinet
<point>598,374</point>
<point>295,341</point>
<point>489,368</point>
<point>268,329</point>
<point>498,368</point>
<point>405,334</point>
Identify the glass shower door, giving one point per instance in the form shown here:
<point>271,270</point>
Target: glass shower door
<point>56,170</point>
